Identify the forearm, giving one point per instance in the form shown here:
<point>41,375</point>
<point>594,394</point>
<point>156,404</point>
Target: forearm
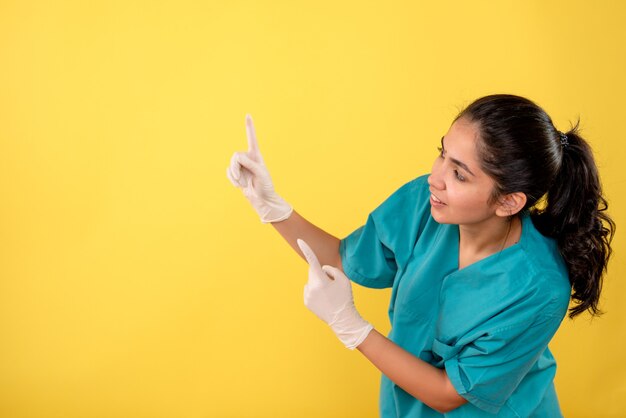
<point>325,245</point>
<point>422,380</point>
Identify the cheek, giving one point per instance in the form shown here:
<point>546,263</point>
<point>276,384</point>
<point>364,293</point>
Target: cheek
<point>463,197</point>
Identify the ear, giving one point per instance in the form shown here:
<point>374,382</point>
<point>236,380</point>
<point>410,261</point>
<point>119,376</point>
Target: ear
<point>511,204</point>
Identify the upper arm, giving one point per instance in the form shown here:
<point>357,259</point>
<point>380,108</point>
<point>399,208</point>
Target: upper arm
<point>455,400</point>
<point>366,259</point>
<point>338,262</point>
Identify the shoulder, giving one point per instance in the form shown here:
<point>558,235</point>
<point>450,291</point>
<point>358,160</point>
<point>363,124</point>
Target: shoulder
<point>546,272</point>
<point>415,189</point>
<point>410,198</point>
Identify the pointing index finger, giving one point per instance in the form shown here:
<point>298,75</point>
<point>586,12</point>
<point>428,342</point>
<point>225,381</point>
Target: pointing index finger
<point>311,258</point>
<point>253,145</point>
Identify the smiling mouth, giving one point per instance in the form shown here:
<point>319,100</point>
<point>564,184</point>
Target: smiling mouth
<point>434,198</point>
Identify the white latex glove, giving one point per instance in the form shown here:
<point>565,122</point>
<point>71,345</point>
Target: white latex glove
<point>247,170</point>
<point>328,294</point>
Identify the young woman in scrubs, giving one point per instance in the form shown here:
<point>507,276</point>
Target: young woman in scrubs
<point>483,255</point>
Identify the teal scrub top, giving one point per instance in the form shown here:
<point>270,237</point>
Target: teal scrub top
<point>487,324</point>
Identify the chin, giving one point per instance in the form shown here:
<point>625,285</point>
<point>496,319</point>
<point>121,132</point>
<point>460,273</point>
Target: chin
<point>438,217</point>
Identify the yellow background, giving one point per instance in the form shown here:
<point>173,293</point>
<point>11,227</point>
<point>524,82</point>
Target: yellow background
<point>136,281</point>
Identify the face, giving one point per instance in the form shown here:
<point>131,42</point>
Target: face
<point>460,190</point>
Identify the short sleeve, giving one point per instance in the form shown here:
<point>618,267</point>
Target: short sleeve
<point>373,253</point>
<point>366,259</point>
<point>488,369</point>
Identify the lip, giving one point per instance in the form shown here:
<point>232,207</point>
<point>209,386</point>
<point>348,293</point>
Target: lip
<point>434,202</point>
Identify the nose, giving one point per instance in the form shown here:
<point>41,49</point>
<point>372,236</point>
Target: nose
<point>435,180</point>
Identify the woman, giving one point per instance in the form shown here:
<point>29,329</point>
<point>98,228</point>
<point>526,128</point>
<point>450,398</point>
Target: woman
<point>483,256</point>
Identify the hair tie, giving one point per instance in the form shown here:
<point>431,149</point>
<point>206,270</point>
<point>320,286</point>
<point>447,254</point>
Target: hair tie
<point>564,141</point>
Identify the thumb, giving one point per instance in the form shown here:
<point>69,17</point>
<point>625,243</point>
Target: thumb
<point>310,256</point>
<point>244,160</point>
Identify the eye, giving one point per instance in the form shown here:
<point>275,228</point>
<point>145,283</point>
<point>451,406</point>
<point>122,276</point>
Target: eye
<point>440,151</point>
<point>459,176</point>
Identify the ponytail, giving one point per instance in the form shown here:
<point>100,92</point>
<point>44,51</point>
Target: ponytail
<point>575,215</point>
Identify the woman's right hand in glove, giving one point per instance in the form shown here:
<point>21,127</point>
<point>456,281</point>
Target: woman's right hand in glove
<point>247,171</point>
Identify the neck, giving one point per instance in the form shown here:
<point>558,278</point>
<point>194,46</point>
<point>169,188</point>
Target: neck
<point>490,236</point>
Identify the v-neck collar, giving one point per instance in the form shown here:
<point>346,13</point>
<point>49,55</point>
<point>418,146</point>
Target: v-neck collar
<point>525,218</point>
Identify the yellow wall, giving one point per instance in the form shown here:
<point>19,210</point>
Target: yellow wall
<point>136,281</point>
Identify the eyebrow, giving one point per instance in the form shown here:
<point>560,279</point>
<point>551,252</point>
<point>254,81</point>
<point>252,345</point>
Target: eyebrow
<point>457,162</point>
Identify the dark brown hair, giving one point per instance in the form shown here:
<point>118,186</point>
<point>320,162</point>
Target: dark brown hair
<point>520,148</point>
